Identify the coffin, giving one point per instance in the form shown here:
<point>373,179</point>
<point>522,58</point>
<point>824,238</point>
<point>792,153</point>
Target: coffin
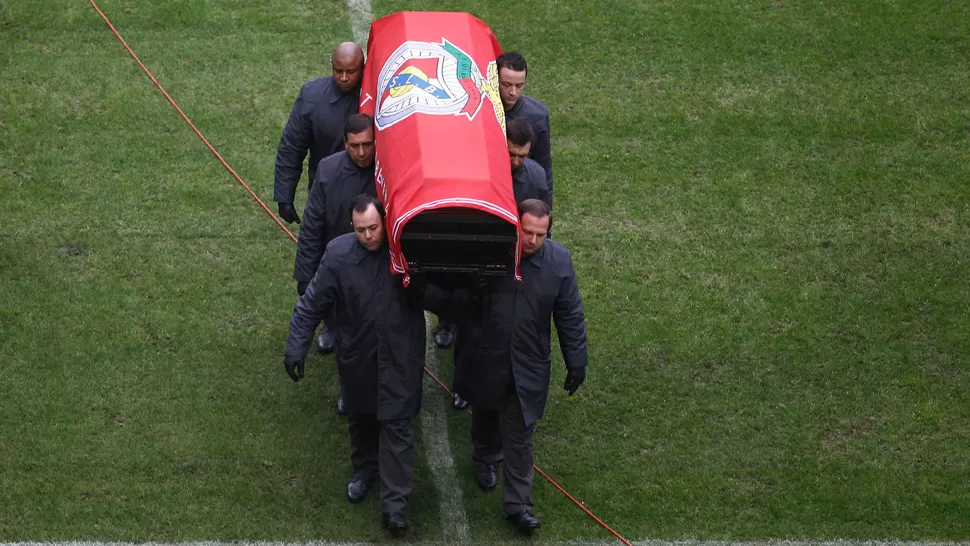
<point>442,162</point>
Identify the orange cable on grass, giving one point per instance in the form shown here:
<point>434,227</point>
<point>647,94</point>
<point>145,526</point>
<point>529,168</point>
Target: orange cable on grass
<point>548,479</point>
<point>288,232</point>
<point>187,120</point>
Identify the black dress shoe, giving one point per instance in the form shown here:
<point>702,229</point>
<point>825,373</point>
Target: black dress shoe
<point>325,341</point>
<point>444,337</point>
<point>396,523</point>
<point>525,521</point>
<point>341,406</point>
<point>358,488</point>
<point>460,403</point>
<point>486,475</point>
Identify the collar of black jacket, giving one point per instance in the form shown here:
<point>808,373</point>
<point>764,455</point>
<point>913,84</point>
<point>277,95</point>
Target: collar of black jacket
<point>519,105</point>
<point>361,253</point>
<point>538,258</point>
<point>348,167</point>
<point>336,94</point>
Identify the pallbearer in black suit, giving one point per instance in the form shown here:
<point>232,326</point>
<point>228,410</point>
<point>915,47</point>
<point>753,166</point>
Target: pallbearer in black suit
<point>339,179</point>
<point>380,334</point>
<point>512,73</point>
<point>316,124</point>
<point>504,357</point>
<point>528,178</point>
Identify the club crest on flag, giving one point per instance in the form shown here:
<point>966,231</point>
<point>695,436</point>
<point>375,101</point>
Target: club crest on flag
<point>437,79</point>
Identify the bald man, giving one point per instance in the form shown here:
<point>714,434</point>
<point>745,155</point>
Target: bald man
<point>316,124</point>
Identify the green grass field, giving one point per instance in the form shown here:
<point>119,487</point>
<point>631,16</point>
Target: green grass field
<point>768,205</point>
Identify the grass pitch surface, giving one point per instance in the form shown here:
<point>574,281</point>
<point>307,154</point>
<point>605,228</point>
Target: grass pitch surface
<point>768,209</point>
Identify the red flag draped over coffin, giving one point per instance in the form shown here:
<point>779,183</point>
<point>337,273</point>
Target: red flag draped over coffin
<point>432,86</point>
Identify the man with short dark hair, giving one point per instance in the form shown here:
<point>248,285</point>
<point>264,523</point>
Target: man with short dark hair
<point>528,178</point>
<point>340,178</point>
<point>528,182</point>
<point>380,355</point>
<point>512,72</point>
<point>504,359</point>
<point>316,125</point>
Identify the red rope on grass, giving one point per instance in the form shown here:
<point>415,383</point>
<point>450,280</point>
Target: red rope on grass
<point>581,506</point>
<point>187,120</point>
<point>288,232</point>
<point>546,476</point>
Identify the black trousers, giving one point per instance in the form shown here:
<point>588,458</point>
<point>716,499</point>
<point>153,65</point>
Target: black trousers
<point>384,449</point>
<point>448,281</point>
<point>501,435</point>
<point>443,324</point>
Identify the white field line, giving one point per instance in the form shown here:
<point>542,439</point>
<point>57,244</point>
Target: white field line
<point>517,543</point>
<point>434,424</point>
<point>360,20</point>
<point>433,421</point>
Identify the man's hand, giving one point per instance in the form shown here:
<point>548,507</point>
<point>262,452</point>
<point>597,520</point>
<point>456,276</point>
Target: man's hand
<point>478,282</point>
<point>288,213</point>
<point>418,282</point>
<point>574,378</point>
<point>301,287</point>
<point>477,289</point>
<point>294,367</point>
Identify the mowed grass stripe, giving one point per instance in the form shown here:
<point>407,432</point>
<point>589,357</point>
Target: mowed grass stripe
<point>359,12</point>
<point>766,204</point>
<point>536,540</point>
<point>156,291</point>
<point>437,447</point>
<point>771,242</point>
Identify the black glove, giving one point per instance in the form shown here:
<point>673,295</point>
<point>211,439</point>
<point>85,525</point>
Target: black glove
<point>478,282</point>
<point>418,282</point>
<point>574,378</point>
<point>301,287</point>
<point>288,213</point>
<point>294,367</point>
<point>477,290</point>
